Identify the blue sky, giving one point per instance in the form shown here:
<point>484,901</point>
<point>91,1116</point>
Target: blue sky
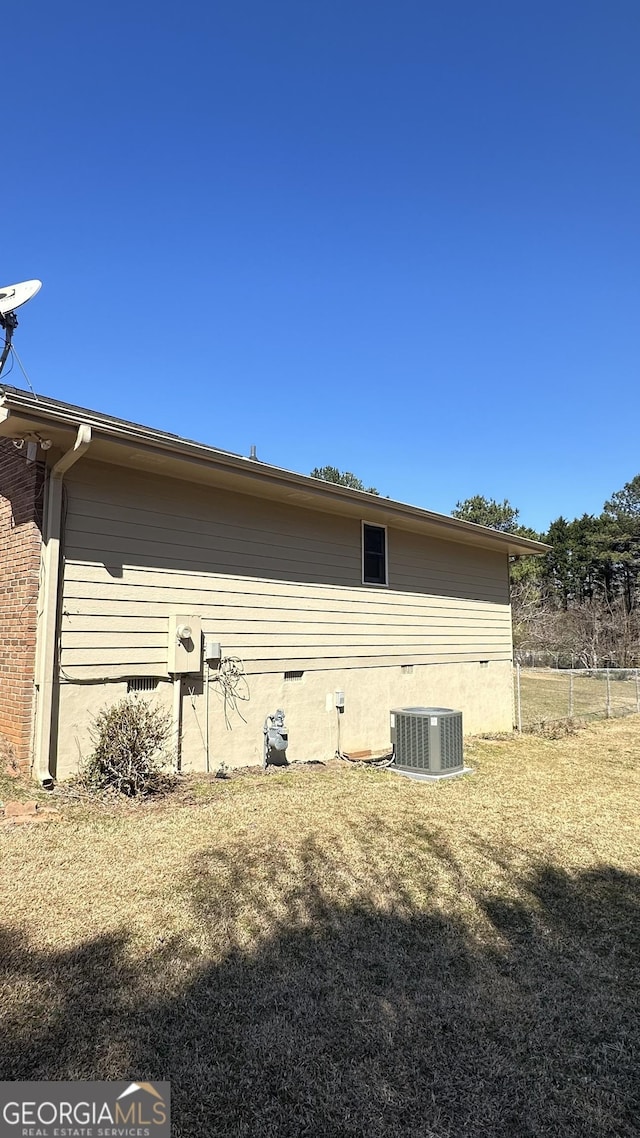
<point>399,238</point>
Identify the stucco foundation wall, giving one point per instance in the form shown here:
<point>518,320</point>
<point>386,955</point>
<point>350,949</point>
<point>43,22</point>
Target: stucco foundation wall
<point>21,487</point>
<point>482,692</point>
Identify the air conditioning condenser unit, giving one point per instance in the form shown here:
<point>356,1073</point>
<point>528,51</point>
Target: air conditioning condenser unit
<point>427,742</point>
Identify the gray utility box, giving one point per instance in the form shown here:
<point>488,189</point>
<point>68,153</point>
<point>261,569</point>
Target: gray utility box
<point>427,741</point>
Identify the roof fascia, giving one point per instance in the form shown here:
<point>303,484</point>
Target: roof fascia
<point>326,496</point>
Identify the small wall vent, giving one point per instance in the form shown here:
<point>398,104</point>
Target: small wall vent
<point>406,669</point>
<point>141,683</point>
<point>293,677</point>
<point>427,741</point>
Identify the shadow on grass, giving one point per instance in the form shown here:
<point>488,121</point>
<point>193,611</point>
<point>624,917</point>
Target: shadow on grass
<point>359,1017</point>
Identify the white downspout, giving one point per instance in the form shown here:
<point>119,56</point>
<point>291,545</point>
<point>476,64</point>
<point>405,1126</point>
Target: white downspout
<point>46,651</point>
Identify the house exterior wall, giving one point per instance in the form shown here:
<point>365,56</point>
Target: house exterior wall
<point>21,487</point>
<point>281,589</point>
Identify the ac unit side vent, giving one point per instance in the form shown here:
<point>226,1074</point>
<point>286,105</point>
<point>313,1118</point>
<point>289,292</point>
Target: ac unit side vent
<point>141,683</point>
<point>293,677</point>
<point>451,742</point>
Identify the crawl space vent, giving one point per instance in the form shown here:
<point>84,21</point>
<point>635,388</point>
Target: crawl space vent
<point>141,683</point>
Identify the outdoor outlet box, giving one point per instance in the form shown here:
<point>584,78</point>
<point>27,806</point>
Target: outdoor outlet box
<point>185,644</point>
<point>340,700</point>
<point>212,651</point>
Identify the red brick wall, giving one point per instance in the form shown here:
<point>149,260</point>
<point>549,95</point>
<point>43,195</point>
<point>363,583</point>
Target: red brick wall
<point>21,493</point>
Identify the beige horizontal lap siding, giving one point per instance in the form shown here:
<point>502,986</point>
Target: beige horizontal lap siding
<point>280,622</point>
<point>90,580</point>
<point>276,585</point>
<point>177,546</point>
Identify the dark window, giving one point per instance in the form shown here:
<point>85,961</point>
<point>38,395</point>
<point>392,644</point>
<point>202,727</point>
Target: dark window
<point>374,555</point>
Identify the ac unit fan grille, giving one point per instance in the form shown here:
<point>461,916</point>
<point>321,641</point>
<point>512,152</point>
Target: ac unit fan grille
<point>413,741</point>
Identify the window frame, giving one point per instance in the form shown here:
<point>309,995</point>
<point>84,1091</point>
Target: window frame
<point>375,584</point>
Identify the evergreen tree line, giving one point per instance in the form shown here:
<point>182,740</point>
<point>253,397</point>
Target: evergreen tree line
<point>580,604</point>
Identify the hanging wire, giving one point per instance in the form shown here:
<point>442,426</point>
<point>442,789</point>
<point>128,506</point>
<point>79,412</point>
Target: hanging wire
<point>231,685</point>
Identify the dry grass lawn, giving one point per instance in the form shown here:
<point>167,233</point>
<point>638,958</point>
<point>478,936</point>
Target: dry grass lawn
<point>345,953</point>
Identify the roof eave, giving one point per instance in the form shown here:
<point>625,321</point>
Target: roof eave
<point>18,410</point>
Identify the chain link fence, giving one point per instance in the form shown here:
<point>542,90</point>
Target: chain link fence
<point>549,695</point>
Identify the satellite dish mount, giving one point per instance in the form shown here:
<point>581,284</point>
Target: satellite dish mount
<point>11,297</point>
<point>8,321</point>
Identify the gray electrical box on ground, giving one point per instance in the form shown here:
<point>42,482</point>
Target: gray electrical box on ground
<point>276,740</point>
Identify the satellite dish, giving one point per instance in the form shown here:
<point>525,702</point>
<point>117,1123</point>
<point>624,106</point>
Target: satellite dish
<point>11,297</point>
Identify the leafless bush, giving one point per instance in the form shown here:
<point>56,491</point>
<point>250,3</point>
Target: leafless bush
<point>555,728</point>
<point>130,741</point>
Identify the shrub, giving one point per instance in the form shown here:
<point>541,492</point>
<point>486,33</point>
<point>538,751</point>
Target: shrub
<point>555,728</point>
<point>130,740</point>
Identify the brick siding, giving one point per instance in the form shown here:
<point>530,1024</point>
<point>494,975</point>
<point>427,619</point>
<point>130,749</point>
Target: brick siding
<point>21,494</point>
